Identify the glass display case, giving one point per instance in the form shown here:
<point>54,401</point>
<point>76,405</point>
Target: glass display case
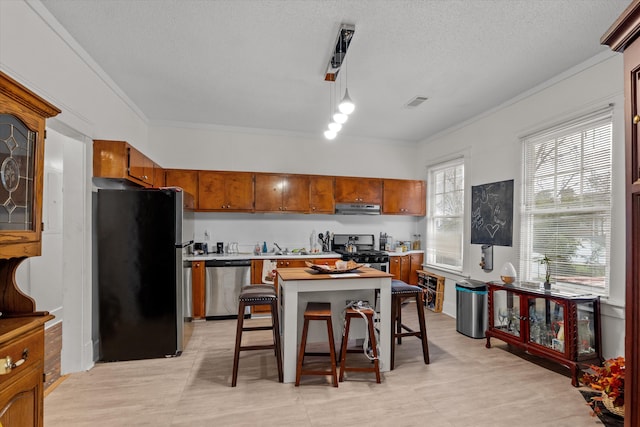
<point>557,325</point>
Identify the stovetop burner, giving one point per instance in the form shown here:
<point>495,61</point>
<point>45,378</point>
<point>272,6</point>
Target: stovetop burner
<point>365,252</point>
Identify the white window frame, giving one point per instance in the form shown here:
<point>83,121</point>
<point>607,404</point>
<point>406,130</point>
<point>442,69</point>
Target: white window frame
<point>434,252</point>
<point>542,203</point>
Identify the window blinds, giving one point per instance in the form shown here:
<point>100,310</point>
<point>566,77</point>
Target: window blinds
<point>566,207</point>
<point>445,218</point>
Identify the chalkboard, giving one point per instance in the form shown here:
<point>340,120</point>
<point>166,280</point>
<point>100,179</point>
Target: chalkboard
<point>492,213</point>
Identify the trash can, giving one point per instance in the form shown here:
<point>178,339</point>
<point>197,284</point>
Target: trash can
<point>471,308</point>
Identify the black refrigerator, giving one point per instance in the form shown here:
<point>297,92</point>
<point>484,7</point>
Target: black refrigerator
<point>143,235</point>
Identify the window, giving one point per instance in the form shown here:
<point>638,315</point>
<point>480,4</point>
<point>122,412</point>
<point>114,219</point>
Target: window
<point>445,216</point>
<point>566,209</point>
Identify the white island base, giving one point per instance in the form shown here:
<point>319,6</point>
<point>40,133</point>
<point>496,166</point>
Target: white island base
<point>301,285</point>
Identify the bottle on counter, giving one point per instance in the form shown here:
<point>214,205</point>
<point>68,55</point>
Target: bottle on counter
<point>256,250</point>
<point>264,247</point>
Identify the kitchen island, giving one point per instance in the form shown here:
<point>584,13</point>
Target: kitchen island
<point>297,286</point>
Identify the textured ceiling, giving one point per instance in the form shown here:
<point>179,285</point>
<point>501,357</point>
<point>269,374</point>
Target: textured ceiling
<point>261,63</point>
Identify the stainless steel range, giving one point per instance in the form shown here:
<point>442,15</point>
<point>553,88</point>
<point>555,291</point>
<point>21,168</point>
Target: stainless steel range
<point>360,248</point>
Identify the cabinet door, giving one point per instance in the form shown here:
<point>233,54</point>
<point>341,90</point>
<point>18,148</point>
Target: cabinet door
<point>295,195</point>
<point>239,191</point>
<point>198,288</point>
<point>140,166</point>
<point>358,190</point>
<point>321,197</point>
<point>394,267</point>
<point>404,197</point>
<point>186,179</point>
<point>405,268</point>
<point>21,401</point>
<point>269,192</point>
<point>158,176</point>
<point>211,191</point>
<point>415,264</point>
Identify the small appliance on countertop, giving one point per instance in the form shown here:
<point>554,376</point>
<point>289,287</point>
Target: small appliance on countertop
<point>200,249</point>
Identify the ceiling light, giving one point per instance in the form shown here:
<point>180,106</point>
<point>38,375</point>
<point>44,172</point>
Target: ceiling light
<point>329,134</point>
<point>346,106</point>
<point>335,127</point>
<point>339,117</point>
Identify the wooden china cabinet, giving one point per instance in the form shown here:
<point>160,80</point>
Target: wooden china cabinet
<point>552,324</point>
<point>22,134</point>
<point>623,36</point>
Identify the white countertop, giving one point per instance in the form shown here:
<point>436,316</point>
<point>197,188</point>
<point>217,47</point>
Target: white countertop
<point>213,256</point>
<point>247,255</point>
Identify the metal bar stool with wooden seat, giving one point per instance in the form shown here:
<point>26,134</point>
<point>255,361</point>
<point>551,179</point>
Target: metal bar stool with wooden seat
<point>351,313</point>
<point>399,291</point>
<point>250,296</point>
<point>317,311</point>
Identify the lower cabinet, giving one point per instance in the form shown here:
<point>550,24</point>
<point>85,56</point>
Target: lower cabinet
<point>405,267</point>
<point>22,385</point>
<point>198,288</point>
<point>557,326</point>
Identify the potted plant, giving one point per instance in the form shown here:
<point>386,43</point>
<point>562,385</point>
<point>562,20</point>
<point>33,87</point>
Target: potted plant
<point>547,276</point>
<point>609,379</point>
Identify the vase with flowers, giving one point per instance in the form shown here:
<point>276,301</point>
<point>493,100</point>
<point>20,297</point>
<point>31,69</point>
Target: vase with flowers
<point>609,379</point>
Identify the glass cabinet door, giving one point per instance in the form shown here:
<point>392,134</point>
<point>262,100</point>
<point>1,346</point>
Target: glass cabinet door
<point>506,312</point>
<point>586,329</point>
<point>547,323</point>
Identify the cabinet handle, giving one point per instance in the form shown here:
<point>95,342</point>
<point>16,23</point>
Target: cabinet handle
<point>228,206</point>
<point>6,364</point>
<point>636,119</point>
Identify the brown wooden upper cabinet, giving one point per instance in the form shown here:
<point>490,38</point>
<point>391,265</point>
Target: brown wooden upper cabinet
<point>120,160</point>
<point>185,179</point>
<point>225,191</point>
<point>404,197</point>
<point>321,194</point>
<point>158,176</point>
<point>282,193</point>
<point>140,166</point>
<point>358,190</point>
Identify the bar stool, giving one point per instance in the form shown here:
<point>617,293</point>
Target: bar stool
<point>399,291</point>
<point>317,311</point>
<point>250,296</point>
<point>349,314</point>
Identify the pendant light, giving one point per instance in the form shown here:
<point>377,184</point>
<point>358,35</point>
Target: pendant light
<point>346,106</point>
<point>334,127</point>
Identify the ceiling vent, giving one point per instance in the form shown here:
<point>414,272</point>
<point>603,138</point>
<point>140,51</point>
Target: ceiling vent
<point>339,51</point>
<point>415,102</point>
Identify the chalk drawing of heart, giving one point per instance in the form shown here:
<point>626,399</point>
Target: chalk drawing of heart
<point>492,229</point>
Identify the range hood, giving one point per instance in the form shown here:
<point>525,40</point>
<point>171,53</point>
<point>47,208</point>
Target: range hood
<point>357,209</point>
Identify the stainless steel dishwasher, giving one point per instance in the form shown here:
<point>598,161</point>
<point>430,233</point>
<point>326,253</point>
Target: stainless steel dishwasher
<point>223,281</point>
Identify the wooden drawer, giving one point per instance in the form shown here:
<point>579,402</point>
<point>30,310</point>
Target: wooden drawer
<point>31,343</point>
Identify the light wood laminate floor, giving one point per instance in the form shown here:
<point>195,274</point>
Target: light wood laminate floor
<point>466,384</point>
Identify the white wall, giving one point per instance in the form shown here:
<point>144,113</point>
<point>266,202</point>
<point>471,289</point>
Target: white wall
<point>492,149</point>
<point>45,59</point>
